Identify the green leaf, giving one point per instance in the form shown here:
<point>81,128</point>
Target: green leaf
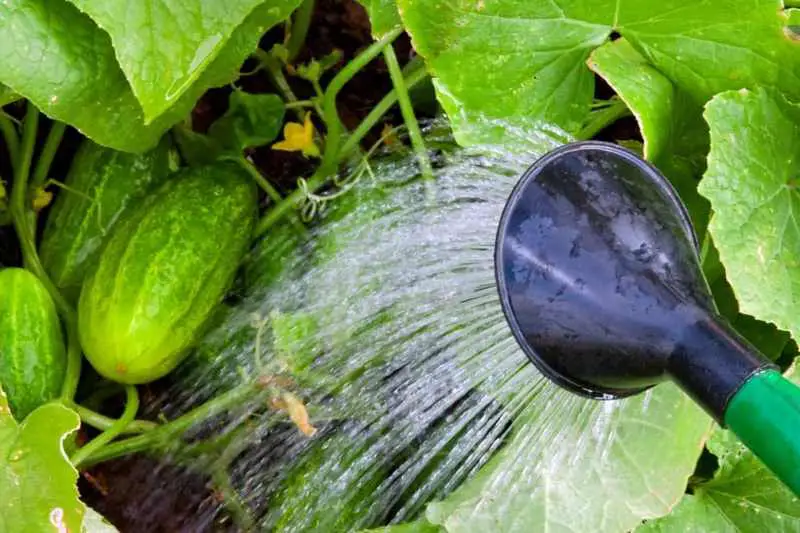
<point>78,80</point>
<point>420,526</point>
<point>516,60</point>
<point>743,497</point>
<point>753,172</point>
<point>7,96</point>
<point>37,481</point>
<point>94,522</point>
<point>163,46</point>
<point>675,136</point>
<point>251,120</point>
<point>383,16</point>
<point>589,468</point>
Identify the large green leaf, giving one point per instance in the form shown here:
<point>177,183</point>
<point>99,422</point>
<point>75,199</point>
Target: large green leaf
<point>55,56</point>
<point>593,467</point>
<point>752,180</point>
<point>675,136</point>
<point>518,60</point>
<point>163,46</point>
<point>383,15</point>
<point>743,496</point>
<point>37,481</point>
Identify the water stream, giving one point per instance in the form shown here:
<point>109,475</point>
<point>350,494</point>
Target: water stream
<point>385,320</point>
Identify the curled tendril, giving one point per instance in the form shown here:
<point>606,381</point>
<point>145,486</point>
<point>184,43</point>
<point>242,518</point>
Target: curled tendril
<point>313,203</point>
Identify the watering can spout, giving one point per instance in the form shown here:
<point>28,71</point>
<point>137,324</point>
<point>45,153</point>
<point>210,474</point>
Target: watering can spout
<point>599,279</point>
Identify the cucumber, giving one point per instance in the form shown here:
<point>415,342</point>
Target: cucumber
<point>164,268</point>
<point>101,184</point>
<point>32,355</point>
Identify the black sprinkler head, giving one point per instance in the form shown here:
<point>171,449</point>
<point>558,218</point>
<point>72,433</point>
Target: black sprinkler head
<point>600,281</point>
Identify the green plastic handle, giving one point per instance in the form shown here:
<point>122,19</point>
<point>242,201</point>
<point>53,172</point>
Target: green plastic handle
<point>765,415</point>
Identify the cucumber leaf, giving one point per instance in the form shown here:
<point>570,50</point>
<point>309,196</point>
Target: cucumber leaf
<point>743,496</point>
<point>164,46</point>
<point>420,526</point>
<point>602,458</point>
<point>751,181</point>
<point>7,96</point>
<point>531,55</point>
<point>675,135</point>
<point>94,522</point>
<point>383,16</point>
<point>78,80</point>
<point>251,120</point>
<point>37,481</point>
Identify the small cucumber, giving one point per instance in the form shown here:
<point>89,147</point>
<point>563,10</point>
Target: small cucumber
<point>164,268</point>
<point>32,355</point>
<point>101,184</point>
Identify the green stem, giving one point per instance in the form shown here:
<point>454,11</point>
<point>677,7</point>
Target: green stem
<point>377,112</point>
<point>9,132</point>
<point>316,181</point>
<point>117,428</point>
<point>267,187</point>
<point>19,212</point>
<point>260,180</point>
<point>275,71</point>
<point>603,118</point>
<point>333,137</point>
<point>300,23</point>
<point>299,104</point>
<point>167,433</point>
<point>103,423</point>
<point>407,110</point>
<point>49,149</point>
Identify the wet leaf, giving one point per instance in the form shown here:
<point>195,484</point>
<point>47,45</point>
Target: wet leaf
<point>743,497</point>
<point>521,61</point>
<point>675,136</point>
<point>751,181</point>
<point>78,80</point>
<point>37,481</point>
<point>383,16</point>
<point>183,38</point>
<point>577,465</point>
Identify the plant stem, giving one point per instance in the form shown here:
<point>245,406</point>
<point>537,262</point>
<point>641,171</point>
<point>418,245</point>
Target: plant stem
<point>275,71</point>
<point>407,110</point>
<point>128,415</point>
<point>9,132</point>
<point>299,104</point>
<point>267,187</point>
<point>300,23</point>
<point>49,149</point>
<point>600,119</point>
<point>380,109</point>
<point>19,212</point>
<point>166,433</point>
<point>333,137</point>
<point>221,481</point>
<point>102,422</point>
<point>260,180</point>
<point>316,181</point>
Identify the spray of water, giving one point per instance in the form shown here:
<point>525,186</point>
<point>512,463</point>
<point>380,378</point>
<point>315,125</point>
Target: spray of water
<point>385,321</point>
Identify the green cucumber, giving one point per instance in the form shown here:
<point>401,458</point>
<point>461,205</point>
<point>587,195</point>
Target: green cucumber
<point>101,184</point>
<point>32,355</point>
<point>165,267</point>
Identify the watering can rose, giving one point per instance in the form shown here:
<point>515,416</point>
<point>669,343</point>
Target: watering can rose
<point>164,269</point>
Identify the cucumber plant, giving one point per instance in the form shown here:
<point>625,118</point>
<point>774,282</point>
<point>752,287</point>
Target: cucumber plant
<point>152,249</point>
